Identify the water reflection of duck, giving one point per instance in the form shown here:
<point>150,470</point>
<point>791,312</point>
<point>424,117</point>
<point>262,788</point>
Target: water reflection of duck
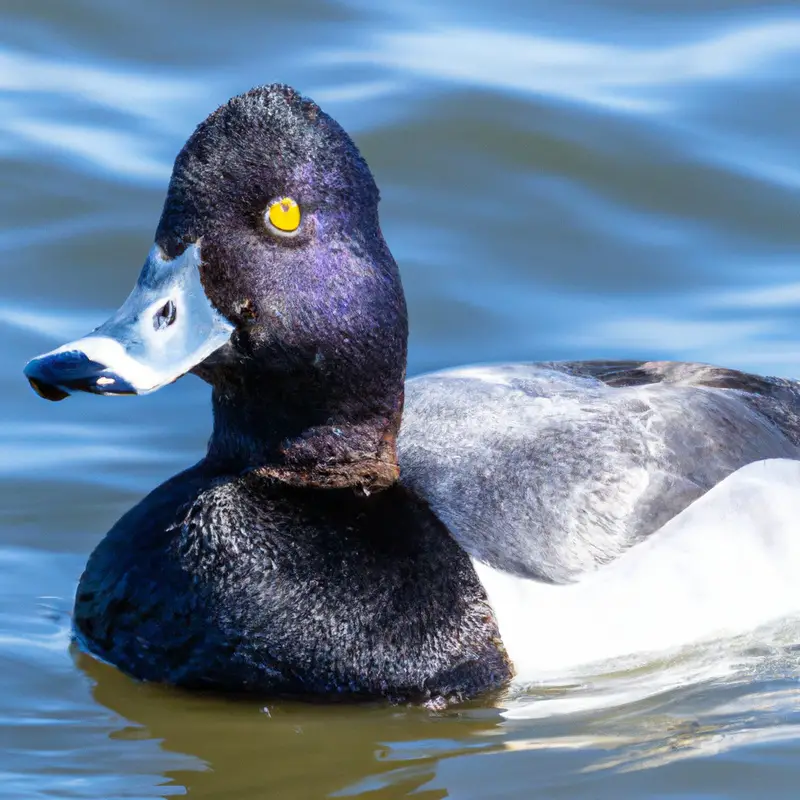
<point>292,559</point>
<point>289,749</point>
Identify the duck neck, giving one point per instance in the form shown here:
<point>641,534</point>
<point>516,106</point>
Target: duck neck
<point>308,428</point>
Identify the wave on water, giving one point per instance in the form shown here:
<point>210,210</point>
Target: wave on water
<point>51,105</point>
<point>697,702</point>
<point>608,75</point>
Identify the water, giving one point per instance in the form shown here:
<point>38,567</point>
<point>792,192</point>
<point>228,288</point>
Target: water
<point>560,180</point>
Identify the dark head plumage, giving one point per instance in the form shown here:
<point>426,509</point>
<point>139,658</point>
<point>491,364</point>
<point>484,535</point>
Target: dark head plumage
<point>254,148</point>
<point>315,369</point>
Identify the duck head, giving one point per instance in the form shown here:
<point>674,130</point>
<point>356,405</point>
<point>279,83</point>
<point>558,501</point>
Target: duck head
<point>270,279</point>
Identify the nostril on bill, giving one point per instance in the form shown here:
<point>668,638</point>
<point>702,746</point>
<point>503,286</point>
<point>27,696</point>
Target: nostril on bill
<point>165,316</point>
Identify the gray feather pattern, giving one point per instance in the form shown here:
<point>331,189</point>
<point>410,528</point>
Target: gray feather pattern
<point>550,470</point>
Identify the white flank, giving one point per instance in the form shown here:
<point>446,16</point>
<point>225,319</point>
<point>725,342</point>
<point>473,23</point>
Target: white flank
<point>728,563</point>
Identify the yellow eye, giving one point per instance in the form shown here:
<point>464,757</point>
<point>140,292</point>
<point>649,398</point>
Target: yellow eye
<point>285,215</point>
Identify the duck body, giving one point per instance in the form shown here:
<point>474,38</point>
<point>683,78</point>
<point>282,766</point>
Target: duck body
<point>237,582</point>
<point>322,548</point>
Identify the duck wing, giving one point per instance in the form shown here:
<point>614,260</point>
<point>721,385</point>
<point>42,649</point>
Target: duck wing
<point>549,470</point>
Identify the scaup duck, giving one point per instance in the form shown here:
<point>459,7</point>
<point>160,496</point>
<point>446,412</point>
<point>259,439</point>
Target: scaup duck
<point>321,549</point>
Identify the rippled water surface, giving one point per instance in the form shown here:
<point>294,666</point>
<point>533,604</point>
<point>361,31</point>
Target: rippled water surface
<point>560,180</point>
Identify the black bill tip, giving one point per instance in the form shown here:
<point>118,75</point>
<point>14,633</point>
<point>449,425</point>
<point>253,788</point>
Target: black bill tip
<point>57,375</point>
<point>47,392</point>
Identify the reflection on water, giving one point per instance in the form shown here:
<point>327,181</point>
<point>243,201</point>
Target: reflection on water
<point>631,721</point>
<point>598,179</point>
<point>241,747</point>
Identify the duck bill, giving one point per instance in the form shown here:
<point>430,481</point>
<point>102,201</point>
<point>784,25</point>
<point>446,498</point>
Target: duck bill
<point>166,327</point>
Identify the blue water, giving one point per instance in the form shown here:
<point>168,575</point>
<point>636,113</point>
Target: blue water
<point>602,178</point>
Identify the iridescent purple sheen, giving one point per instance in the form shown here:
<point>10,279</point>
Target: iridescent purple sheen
<point>321,317</point>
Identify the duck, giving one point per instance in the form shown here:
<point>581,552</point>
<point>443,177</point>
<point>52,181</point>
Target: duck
<point>351,533</point>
